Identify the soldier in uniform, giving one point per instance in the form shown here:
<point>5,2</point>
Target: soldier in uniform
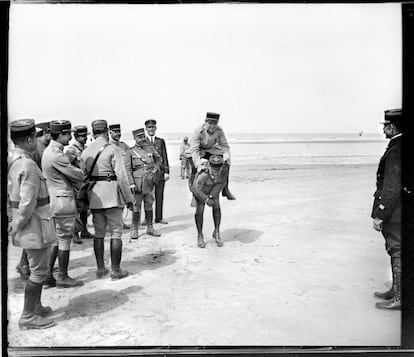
<point>115,136</point>
<point>62,179</point>
<point>74,152</point>
<point>206,190</point>
<point>31,219</point>
<point>142,163</point>
<point>386,211</point>
<point>43,139</point>
<point>107,197</point>
<point>164,171</point>
<point>207,140</point>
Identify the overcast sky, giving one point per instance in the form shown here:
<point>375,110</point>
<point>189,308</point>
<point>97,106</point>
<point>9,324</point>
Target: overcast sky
<point>264,67</point>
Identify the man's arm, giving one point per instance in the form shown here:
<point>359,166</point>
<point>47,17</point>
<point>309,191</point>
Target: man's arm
<point>72,173</point>
<point>118,165</point>
<point>224,145</point>
<point>391,190</point>
<point>29,190</point>
<point>195,148</point>
<point>198,187</point>
<point>128,167</point>
<point>165,163</point>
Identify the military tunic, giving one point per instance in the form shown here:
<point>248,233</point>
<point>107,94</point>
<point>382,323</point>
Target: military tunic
<point>111,190</point>
<point>208,185</point>
<point>62,178</point>
<point>31,215</point>
<point>387,197</point>
<point>213,143</point>
<point>142,164</point>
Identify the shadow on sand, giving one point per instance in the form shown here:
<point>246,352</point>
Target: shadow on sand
<point>181,217</point>
<point>241,235</point>
<point>94,303</point>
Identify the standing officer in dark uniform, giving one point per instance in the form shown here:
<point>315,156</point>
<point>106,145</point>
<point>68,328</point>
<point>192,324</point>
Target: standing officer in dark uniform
<point>107,198</point>
<point>206,190</point>
<point>74,152</point>
<point>164,172</point>
<point>142,163</point>
<point>62,179</point>
<point>31,219</point>
<point>386,210</point>
<point>114,139</point>
<point>207,140</point>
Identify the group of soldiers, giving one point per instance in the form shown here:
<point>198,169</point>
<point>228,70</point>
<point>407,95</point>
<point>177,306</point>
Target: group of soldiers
<point>54,186</point>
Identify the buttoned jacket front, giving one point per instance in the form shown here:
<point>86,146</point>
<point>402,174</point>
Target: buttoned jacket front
<point>142,165</point>
<point>387,197</point>
<point>62,179</point>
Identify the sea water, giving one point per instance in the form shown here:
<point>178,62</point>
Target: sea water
<point>290,149</point>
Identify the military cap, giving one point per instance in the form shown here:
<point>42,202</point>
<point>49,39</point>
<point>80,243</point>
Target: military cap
<point>115,127</point>
<point>216,160</point>
<point>99,126</point>
<point>136,132</point>
<point>45,126</point>
<point>150,122</point>
<point>212,116</point>
<point>81,130</point>
<point>392,116</point>
<point>21,128</point>
<point>60,127</point>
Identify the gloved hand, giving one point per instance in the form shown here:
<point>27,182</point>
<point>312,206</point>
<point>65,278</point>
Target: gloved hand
<point>133,189</point>
<point>226,157</point>
<point>377,224</point>
<point>166,177</point>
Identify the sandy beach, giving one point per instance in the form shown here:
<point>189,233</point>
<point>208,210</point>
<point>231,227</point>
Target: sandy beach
<point>299,266</point>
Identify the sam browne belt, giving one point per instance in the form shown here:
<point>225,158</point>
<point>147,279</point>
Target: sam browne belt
<point>40,202</point>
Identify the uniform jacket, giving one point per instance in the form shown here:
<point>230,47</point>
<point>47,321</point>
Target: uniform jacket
<point>206,184</point>
<point>106,194</point>
<point>142,165</point>
<point>159,145</point>
<point>61,178</point>
<point>119,144</point>
<point>387,197</point>
<point>202,142</point>
<point>31,220</point>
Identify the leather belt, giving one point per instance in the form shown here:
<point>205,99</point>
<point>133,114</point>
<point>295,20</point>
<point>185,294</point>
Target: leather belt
<point>146,167</point>
<point>40,202</point>
<point>104,178</point>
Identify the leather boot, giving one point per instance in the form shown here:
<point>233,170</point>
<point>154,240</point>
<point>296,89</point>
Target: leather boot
<point>23,267</point>
<point>77,239</point>
<point>50,281</point>
<point>226,191</point>
<point>116,255</point>
<point>98,247</point>
<point>85,234</point>
<point>395,302</point>
<point>217,238</point>
<point>135,224</point>
<point>150,229</point>
<point>29,319</point>
<point>386,295</point>
<point>41,310</point>
<point>64,280</point>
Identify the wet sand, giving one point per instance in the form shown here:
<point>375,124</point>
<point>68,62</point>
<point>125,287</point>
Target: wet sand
<point>299,266</point>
